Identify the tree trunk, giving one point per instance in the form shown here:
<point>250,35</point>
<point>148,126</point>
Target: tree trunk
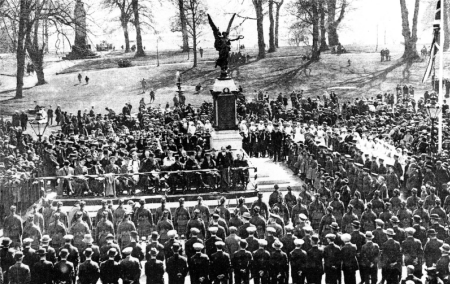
<point>333,23</point>
<point>410,36</point>
<point>260,28</point>
<point>126,36</point>
<point>184,31</point>
<point>37,57</point>
<point>315,54</point>
<point>323,30</point>
<point>20,55</point>
<point>277,21</point>
<point>140,50</point>
<point>271,28</point>
<point>194,38</point>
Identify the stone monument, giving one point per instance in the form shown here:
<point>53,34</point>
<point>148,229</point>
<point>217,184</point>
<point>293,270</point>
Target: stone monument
<point>80,49</point>
<point>224,94</point>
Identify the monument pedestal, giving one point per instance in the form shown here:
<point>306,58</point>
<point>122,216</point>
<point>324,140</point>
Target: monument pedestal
<point>225,115</point>
<point>224,138</point>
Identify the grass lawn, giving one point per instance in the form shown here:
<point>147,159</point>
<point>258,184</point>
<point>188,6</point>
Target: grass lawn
<point>282,71</point>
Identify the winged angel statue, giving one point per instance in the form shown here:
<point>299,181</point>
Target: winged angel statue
<point>222,44</point>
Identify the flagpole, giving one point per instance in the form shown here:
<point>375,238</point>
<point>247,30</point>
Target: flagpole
<point>441,74</point>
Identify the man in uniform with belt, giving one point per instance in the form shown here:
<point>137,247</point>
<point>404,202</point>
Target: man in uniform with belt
<point>220,266</point>
<point>242,262</point>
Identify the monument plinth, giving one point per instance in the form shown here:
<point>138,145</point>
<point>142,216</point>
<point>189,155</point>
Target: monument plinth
<point>80,49</point>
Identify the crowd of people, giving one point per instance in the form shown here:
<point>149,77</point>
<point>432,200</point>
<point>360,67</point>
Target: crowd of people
<point>375,196</point>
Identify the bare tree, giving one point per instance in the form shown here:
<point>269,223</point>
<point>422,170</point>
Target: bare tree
<point>28,16</point>
<point>183,25</point>
<point>126,13</point>
<point>278,5</point>
<point>333,23</point>
<point>297,35</point>
<point>307,15</point>
<point>195,12</point>
<point>258,4</point>
<point>410,35</point>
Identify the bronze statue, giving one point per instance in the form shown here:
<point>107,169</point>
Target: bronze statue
<point>223,45</point>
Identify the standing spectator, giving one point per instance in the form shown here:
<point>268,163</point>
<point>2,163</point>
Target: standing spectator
<point>79,77</point>
<point>87,80</point>
<point>201,52</point>
<point>50,115</point>
<point>144,85</point>
<point>16,119</point>
<point>152,96</point>
<point>23,120</point>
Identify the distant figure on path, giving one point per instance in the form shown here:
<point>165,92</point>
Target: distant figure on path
<point>201,52</point>
<point>144,85</point>
<point>152,96</point>
<point>87,80</point>
<point>382,53</point>
<point>50,116</point>
<point>80,77</point>
<point>349,63</point>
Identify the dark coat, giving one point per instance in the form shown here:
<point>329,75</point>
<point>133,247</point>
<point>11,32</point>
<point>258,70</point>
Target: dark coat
<point>110,271</point>
<point>154,270</point>
<point>349,257</point>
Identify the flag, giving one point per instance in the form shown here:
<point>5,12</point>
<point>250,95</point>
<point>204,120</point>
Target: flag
<point>434,46</point>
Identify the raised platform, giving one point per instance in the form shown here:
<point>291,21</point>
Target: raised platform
<point>223,138</point>
<point>151,199</point>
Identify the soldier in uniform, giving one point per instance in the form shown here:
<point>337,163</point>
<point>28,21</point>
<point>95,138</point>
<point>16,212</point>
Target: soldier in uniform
<point>130,267</point>
<point>163,226</point>
<point>78,230</point>
<point>289,199</point>
<point>118,214</point>
<point>30,230</point>
<point>89,270</point>
<point>143,220</point>
<point>189,245</point>
<point>317,210</point>
<point>368,218</point>
<point>155,244</point>
<point>50,251</point>
<point>124,231</point>
<point>154,269</point>
<point>298,209</point>
<point>298,261</point>
<point>181,218</point>
<point>177,266</point>
<point>104,227</point>
<point>204,211</point>
<point>12,227</point>
<point>338,207</point>
<point>160,211</point>
<point>421,232</point>
<point>404,215</point>
<point>42,271</point>
<point>109,245</point>
<point>424,215</point>
<point>348,219</point>
<point>413,252</point>
<point>432,249</point>
<point>57,230</point>
<point>325,223</point>
<point>279,264</point>
<point>379,234</point>
<point>199,265</point>
<point>391,258</point>
<point>350,264</point>
<point>104,209</point>
<point>332,260</point>
<point>241,263</point>
<point>252,242</point>
<point>196,222</point>
<point>440,230</point>
<point>63,270</point>
<point>261,260</point>
<point>263,207</point>
<point>210,244</point>
<point>315,262</point>
<point>138,250</point>
<point>220,266</point>
<point>258,221</point>
<point>110,269</point>
<point>370,253</point>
